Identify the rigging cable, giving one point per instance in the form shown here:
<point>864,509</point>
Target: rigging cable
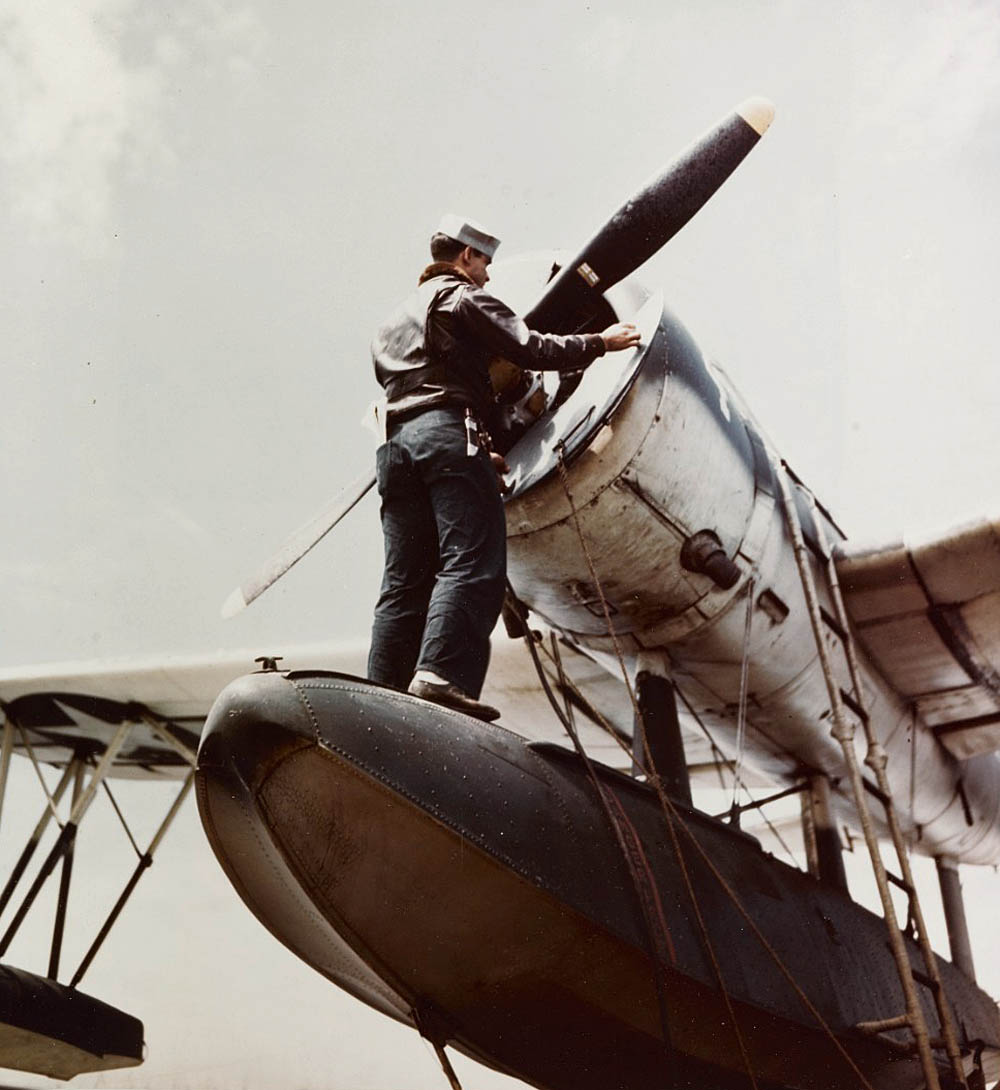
<point>721,759</point>
<point>741,717</point>
<point>645,759</point>
<point>630,843</point>
<point>610,799</point>
<point>38,772</point>
<point>667,807</point>
<point>671,815</point>
<point>121,818</point>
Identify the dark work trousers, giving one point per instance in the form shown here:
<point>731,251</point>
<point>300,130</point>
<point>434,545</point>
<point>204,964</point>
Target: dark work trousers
<point>445,554</point>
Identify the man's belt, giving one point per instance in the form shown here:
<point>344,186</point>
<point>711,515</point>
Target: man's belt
<point>400,385</point>
<point>475,429</point>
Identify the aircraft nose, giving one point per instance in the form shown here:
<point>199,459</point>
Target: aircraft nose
<point>278,811</point>
<point>381,838</point>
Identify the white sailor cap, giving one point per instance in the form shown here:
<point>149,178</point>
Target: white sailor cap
<point>471,233</point>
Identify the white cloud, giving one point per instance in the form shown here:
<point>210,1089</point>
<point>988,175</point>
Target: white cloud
<point>82,92</point>
<point>71,112</point>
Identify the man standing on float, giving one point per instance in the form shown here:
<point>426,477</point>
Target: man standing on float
<point>442,512</point>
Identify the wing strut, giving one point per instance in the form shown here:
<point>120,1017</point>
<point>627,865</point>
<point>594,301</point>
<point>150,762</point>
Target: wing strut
<point>145,861</point>
<point>5,751</point>
<point>62,850</point>
<point>842,702</point>
<point>64,843</point>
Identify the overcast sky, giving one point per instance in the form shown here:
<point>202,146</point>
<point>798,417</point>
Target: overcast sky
<point>209,205</point>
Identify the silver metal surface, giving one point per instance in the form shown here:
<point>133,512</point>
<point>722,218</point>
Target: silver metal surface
<point>678,455</point>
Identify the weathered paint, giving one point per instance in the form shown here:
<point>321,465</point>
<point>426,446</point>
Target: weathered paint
<point>450,874</point>
<point>679,455</point>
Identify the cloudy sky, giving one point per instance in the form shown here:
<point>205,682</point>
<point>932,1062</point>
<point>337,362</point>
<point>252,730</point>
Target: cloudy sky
<point>209,205</point>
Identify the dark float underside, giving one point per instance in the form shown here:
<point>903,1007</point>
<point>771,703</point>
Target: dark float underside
<point>459,879</point>
<point>49,1029</point>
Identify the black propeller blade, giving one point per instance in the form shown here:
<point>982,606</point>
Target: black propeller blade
<point>649,219</point>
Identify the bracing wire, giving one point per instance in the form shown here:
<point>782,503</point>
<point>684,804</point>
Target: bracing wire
<point>741,717</point>
<point>673,819</point>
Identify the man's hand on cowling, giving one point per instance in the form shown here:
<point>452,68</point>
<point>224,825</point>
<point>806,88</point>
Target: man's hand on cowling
<point>616,338</point>
<point>619,336</point>
<point>500,467</point>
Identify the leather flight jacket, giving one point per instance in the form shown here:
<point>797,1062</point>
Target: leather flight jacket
<point>437,346</point>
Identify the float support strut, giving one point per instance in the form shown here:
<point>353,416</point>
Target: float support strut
<point>954,914</point>
<point>658,731</point>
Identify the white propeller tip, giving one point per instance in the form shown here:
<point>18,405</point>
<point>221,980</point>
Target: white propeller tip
<point>233,604</point>
<point>758,113</point>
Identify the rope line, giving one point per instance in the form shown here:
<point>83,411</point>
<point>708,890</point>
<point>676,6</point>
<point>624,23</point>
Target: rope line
<point>623,741</point>
<point>647,763</point>
<point>720,760</point>
<point>741,716</point>
<point>671,815</point>
<point>668,807</point>
<point>650,901</point>
<point>776,958</point>
<point>655,943</point>
<point>564,477</point>
<point>631,843</point>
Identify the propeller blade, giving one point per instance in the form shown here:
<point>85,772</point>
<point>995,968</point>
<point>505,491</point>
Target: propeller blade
<point>650,219</point>
<point>298,545</point>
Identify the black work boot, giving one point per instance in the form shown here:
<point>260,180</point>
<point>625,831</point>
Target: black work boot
<point>451,696</point>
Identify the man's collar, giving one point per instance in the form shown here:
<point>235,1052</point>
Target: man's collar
<point>444,268</point>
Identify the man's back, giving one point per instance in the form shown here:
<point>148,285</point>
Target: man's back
<point>424,358</point>
<point>442,514</point>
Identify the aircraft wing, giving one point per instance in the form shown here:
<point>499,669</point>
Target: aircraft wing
<point>61,706</point>
<point>928,612</point>
<point>59,709</point>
